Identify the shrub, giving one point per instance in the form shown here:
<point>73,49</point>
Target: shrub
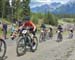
<point>50,19</point>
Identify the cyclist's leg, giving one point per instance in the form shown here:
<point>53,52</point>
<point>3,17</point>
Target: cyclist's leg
<point>33,33</point>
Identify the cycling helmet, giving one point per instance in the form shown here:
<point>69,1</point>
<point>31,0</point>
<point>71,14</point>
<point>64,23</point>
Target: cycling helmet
<point>27,18</point>
<point>43,25</point>
<point>59,25</point>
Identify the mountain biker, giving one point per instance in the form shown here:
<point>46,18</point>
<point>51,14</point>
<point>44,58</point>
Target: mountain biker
<point>43,27</point>
<point>59,36</point>
<point>30,24</point>
<point>32,28</point>
<point>71,30</point>
<point>71,33</point>
<point>60,28</point>
<point>51,32</point>
<point>43,32</point>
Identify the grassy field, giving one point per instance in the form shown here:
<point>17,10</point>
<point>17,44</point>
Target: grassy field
<point>0,31</point>
<point>60,21</point>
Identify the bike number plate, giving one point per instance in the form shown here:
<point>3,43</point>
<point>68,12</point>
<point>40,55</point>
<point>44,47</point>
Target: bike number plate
<point>24,31</point>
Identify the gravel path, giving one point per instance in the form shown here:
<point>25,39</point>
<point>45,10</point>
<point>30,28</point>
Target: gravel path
<point>48,50</point>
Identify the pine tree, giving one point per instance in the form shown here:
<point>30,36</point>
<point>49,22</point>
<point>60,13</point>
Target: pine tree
<point>26,8</point>
<point>0,8</point>
<point>7,9</point>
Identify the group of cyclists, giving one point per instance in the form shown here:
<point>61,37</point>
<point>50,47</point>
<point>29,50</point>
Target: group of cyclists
<point>59,30</point>
<point>33,29</point>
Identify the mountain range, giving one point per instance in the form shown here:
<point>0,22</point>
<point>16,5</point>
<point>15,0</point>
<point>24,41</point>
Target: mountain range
<point>56,8</point>
<point>68,8</point>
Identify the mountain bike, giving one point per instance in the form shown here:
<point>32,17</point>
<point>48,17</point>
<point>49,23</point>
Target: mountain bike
<point>2,48</point>
<point>42,36</point>
<point>26,39</point>
<point>59,36</point>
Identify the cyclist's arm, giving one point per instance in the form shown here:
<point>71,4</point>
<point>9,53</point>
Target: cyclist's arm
<point>21,26</point>
<point>33,26</point>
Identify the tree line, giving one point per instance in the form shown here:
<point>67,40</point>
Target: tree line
<point>65,15</point>
<point>14,9</point>
<point>47,18</point>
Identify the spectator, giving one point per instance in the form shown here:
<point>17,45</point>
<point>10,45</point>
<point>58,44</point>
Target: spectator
<point>4,29</point>
<point>12,29</point>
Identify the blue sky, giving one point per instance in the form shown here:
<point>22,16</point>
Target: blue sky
<point>35,3</point>
<point>49,1</point>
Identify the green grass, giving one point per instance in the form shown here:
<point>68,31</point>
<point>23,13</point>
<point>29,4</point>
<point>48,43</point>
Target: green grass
<point>61,22</point>
<point>65,20</point>
<point>8,32</point>
<point>0,31</point>
<point>65,33</point>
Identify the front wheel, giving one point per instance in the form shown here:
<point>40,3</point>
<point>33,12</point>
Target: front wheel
<point>34,44</point>
<point>21,47</point>
<point>2,48</point>
<point>59,38</point>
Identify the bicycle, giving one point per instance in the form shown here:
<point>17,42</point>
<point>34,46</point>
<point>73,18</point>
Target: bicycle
<point>70,35</point>
<point>26,40</point>
<point>2,48</point>
<point>42,36</point>
<point>59,36</point>
<point>50,34</point>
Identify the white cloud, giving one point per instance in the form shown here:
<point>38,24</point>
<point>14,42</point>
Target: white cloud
<point>42,1</point>
<point>50,1</point>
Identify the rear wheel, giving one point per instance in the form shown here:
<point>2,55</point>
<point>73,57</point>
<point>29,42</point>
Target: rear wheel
<point>42,37</point>
<point>59,38</point>
<point>50,35</point>
<point>21,47</point>
<point>2,48</point>
<point>34,44</point>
